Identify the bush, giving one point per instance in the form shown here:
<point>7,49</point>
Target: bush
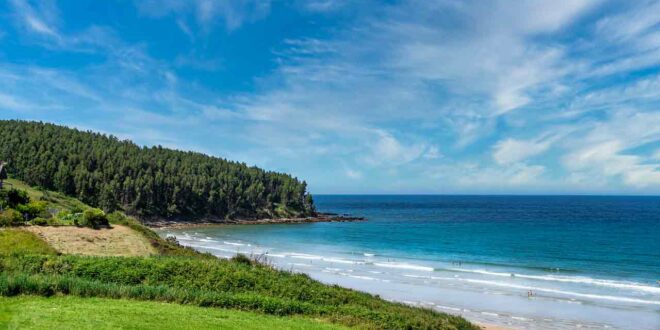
<point>117,218</point>
<point>68,218</point>
<point>13,197</point>
<point>94,218</point>
<point>11,217</point>
<point>33,209</point>
<point>39,221</point>
<point>242,259</point>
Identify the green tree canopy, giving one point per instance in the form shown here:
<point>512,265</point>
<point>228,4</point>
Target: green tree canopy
<point>112,174</point>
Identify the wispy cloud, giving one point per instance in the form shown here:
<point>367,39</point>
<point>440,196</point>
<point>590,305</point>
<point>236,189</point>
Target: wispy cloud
<point>207,12</point>
<point>543,96</point>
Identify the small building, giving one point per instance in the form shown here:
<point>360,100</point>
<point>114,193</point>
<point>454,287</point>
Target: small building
<point>3,173</point>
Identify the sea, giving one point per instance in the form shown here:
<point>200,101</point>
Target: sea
<point>523,262</point>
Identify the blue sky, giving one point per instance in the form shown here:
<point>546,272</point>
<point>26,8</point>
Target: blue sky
<point>358,96</point>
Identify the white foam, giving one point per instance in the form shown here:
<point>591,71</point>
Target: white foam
<point>305,256</point>
<point>368,254</point>
<point>342,261</point>
<point>234,243</point>
<point>362,277</point>
<point>403,266</point>
<point>215,248</point>
<point>490,314</point>
<point>568,279</point>
<point>569,293</point>
<point>449,308</point>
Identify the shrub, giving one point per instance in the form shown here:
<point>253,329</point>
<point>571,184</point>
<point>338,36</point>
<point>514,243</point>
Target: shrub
<point>68,218</point>
<point>13,197</point>
<point>241,259</point>
<point>33,209</point>
<point>116,217</point>
<point>38,221</point>
<point>11,217</point>
<point>94,218</point>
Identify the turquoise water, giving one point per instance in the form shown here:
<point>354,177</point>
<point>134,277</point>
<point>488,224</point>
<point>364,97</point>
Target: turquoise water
<point>590,262</point>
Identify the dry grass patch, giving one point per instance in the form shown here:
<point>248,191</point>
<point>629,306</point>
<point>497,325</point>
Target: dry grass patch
<point>118,241</point>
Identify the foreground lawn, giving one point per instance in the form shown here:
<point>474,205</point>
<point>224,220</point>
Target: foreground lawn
<point>19,242</point>
<point>28,312</point>
<point>238,284</point>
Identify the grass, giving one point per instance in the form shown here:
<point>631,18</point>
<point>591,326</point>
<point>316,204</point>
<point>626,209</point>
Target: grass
<point>61,240</point>
<point>184,276</point>
<point>28,312</point>
<point>54,199</point>
<point>19,242</point>
<point>116,241</point>
<point>212,283</point>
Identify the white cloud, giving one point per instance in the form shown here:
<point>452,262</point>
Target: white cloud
<point>432,152</point>
<point>608,159</point>
<point>509,150</point>
<point>604,150</point>
<point>206,12</point>
<point>500,178</point>
<point>35,20</point>
<point>353,174</point>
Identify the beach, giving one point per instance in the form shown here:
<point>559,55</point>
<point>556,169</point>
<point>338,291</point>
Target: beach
<point>478,269</point>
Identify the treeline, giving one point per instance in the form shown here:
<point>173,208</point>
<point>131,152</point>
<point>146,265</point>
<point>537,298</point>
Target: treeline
<point>111,174</point>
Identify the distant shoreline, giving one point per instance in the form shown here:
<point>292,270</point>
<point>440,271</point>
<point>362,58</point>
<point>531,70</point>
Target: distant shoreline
<point>321,217</point>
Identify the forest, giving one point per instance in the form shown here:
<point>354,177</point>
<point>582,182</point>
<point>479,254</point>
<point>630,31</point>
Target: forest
<point>113,174</point>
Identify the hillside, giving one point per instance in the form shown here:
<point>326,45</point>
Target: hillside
<point>54,261</point>
<point>111,174</point>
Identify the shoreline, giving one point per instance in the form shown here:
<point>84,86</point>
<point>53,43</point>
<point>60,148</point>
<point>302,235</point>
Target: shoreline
<point>178,224</point>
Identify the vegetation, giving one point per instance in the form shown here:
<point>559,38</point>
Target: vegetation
<point>19,242</point>
<point>17,208</point>
<point>29,312</point>
<point>110,174</point>
<point>29,266</point>
<point>212,283</point>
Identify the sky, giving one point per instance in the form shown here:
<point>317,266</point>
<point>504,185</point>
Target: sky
<point>428,97</point>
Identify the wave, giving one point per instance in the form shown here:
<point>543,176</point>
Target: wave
<point>305,256</point>
<point>400,265</point>
<point>210,248</point>
<point>233,243</point>
<point>360,277</point>
<point>562,292</point>
<point>568,279</point>
<point>448,308</point>
<point>207,240</point>
<point>342,261</point>
<point>368,254</point>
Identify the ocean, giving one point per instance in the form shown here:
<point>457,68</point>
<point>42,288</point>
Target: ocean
<point>529,262</point>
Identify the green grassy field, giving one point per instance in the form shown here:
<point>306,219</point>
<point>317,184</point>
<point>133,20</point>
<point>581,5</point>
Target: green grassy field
<point>19,242</point>
<point>28,312</point>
